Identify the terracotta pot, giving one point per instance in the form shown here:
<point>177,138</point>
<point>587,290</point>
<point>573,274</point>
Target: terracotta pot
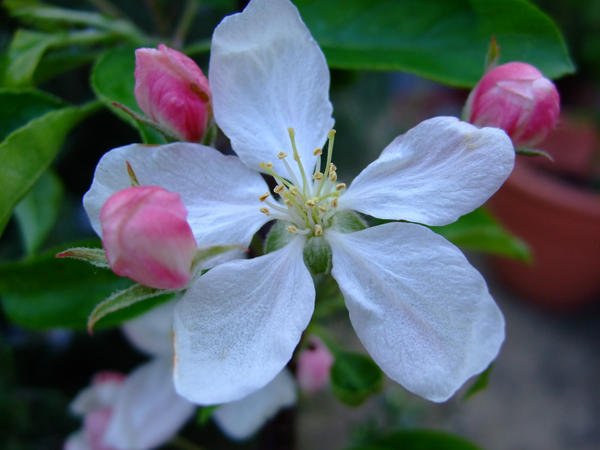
<point>559,220</point>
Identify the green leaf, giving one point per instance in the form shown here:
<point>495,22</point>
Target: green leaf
<point>121,300</point>
<point>444,40</point>
<point>418,440</point>
<point>38,211</point>
<point>480,383</point>
<point>44,292</point>
<point>479,231</point>
<point>28,151</point>
<point>28,47</point>
<point>354,377</point>
<point>20,105</point>
<point>113,82</point>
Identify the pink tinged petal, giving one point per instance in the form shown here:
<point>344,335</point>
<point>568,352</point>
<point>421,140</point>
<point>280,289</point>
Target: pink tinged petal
<point>517,98</point>
<point>95,426</point>
<point>146,237</point>
<point>148,412</point>
<point>218,191</point>
<point>420,309</point>
<point>77,441</point>
<point>172,90</point>
<point>242,418</point>
<point>236,327</point>
<point>102,394</point>
<point>267,74</point>
<point>433,174</point>
<point>313,366</point>
<point>152,332</point>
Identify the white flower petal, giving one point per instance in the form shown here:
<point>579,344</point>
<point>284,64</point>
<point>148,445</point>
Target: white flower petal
<point>420,309</point>
<point>152,331</point>
<point>242,418</point>
<point>77,441</point>
<point>148,412</point>
<point>96,396</point>
<point>237,326</point>
<point>436,172</point>
<point>219,192</point>
<point>267,74</point>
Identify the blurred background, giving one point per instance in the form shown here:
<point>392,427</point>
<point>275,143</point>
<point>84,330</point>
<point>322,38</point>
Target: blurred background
<point>543,390</point>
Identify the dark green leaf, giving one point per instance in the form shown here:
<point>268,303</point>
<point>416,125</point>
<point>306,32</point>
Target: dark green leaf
<point>27,152</point>
<point>38,211</point>
<point>444,40</point>
<point>19,106</point>
<point>45,292</point>
<point>28,47</point>
<point>113,82</point>
<point>480,383</point>
<point>481,232</point>
<point>418,440</point>
<point>354,377</point>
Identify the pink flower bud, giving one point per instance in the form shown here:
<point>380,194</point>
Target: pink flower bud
<point>146,237</point>
<point>172,90</point>
<point>313,365</point>
<point>517,98</point>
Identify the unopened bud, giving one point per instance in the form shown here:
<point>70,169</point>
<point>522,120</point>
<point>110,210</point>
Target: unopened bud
<point>172,90</point>
<point>147,238</point>
<point>517,98</point>
<point>313,366</point>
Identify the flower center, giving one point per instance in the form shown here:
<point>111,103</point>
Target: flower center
<point>307,204</point>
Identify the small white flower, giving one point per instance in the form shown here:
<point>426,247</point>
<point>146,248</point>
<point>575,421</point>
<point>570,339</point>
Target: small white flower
<point>421,310</point>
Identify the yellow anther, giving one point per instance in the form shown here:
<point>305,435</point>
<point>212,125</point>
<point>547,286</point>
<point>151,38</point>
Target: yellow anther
<point>288,203</point>
<point>323,208</point>
<point>294,190</point>
<point>291,132</point>
<point>340,186</point>
<point>331,134</point>
<point>317,176</point>
<point>318,152</point>
<point>332,167</point>
<point>332,176</point>
<point>269,165</point>
<point>310,203</point>
<point>292,229</point>
<point>334,203</point>
<point>265,211</point>
<point>279,189</point>
<point>132,177</point>
<point>281,155</point>
<point>318,230</point>
<point>263,197</point>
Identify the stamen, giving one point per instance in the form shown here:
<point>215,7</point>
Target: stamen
<point>290,172</point>
<point>292,134</point>
<point>279,189</point>
<point>282,155</point>
<point>263,197</point>
<point>265,211</point>
<point>334,203</point>
<point>332,176</point>
<point>292,229</point>
<point>310,203</point>
<point>340,186</point>
<point>318,152</point>
<point>269,165</point>
<point>318,176</point>
<point>332,167</point>
<point>294,191</point>
<point>318,230</point>
<point>323,208</point>
<point>288,203</point>
<point>331,138</point>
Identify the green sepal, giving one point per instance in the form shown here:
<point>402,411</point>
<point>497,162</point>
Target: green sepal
<point>205,413</point>
<point>534,152</point>
<point>121,300</point>
<point>347,222</point>
<point>480,383</point>
<point>278,236</point>
<point>355,377</point>
<point>94,256</point>
<point>317,255</point>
